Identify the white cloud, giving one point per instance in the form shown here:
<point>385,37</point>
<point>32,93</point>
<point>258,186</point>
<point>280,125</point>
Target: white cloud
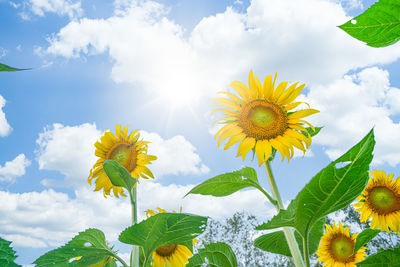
<point>69,8</point>
<point>298,38</point>
<point>351,106</point>
<point>69,150</point>
<point>49,218</point>
<point>175,156</point>
<point>5,128</point>
<point>13,169</point>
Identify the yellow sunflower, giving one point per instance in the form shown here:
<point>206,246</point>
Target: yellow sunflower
<point>170,255</point>
<point>380,201</point>
<point>126,150</point>
<point>336,248</point>
<point>262,118</point>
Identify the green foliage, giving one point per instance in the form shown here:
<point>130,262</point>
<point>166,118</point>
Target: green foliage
<point>228,183</point>
<point>163,229</point>
<point>378,26</point>
<point>384,258</point>
<point>4,67</point>
<point>311,131</point>
<point>7,254</point>
<point>90,245</point>
<point>331,189</point>
<point>364,237</point>
<point>118,175</point>
<point>217,254</point>
<point>276,242</point>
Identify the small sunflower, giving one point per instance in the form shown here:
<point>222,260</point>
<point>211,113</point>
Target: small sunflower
<point>170,255</point>
<point>380,201</point>
<point>262,118</point>
<point>336,248</point>
<point>128,151</point>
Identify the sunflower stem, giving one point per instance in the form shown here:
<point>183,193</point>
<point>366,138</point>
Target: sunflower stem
<point>306,252</point>
<point>289,235</point>
<point>135,249</point>
<point>120,260</point>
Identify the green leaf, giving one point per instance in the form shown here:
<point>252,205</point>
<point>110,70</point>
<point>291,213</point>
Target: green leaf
<point>163,229</point>
<point>227,183</point>
<point>311,131</point>
<point>217,255</point>
<point>276,242</point>
<point>7,254</point>
<point>90,245</point>
<point>118,175</point>
<point>8,68</point>
<point>364,237</point>
<point>378,26</point>
<point>333,188</point>
<point>384,258</point>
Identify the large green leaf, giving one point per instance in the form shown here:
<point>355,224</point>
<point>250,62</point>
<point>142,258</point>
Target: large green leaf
<point>383,258</point>
<point>90,245</point>
<point>276,242</point>
<point>7,254</point>
<point>228,183</point>
<point>163,229</point>
<point>4,67</point>
<point>364,237</point>
<point>217,255</point>
<point>378,26</point>
<point>331,189</point>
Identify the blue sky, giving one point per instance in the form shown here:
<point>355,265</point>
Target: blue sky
<point>101,63</point>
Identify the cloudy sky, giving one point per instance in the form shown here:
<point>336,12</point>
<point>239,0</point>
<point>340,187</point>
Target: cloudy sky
<point>155,66</point>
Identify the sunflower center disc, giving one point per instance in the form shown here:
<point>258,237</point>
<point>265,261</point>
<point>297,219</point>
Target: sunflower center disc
<point>124,154</point>
<point>342,248</point>
<point>263,120</point>
<point>384,200</point>
<point>166,250</point>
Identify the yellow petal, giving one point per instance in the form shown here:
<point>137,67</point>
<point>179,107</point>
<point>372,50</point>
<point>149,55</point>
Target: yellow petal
<point>234,140</point>
<point>279,90</point>
<point>288,92</point>
<point>293,96</point>
<point>229,132</point>
<point>245,146</point>
<point>241,89</point>
<point>252,86</point>
<point>302,113</point>
<point>260,90</point>
<point>233,97</point>
<point>227,103</point>
<point>268,88</point>
<point>227,111</point>
<point>263,151</point>
<point>294,105</point>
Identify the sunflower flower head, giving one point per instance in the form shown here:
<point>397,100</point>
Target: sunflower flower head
<point>262,118</point>
<point>336,248</point>
<point>128,151</point>
<point>175,255</point>
<point>380,201</point>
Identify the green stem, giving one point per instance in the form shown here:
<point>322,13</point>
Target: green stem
<point>135,249</point>
<point>273,201</point>
<point>293,246</point>
<point>306,253</point>
<point>120,260</point>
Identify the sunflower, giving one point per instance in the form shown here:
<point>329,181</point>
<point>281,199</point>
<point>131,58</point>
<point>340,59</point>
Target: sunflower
<point>262,118</point>
<point>380,201</point>
<point>170,255</point>
<point>126,150</point>
<point>336,248</point>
